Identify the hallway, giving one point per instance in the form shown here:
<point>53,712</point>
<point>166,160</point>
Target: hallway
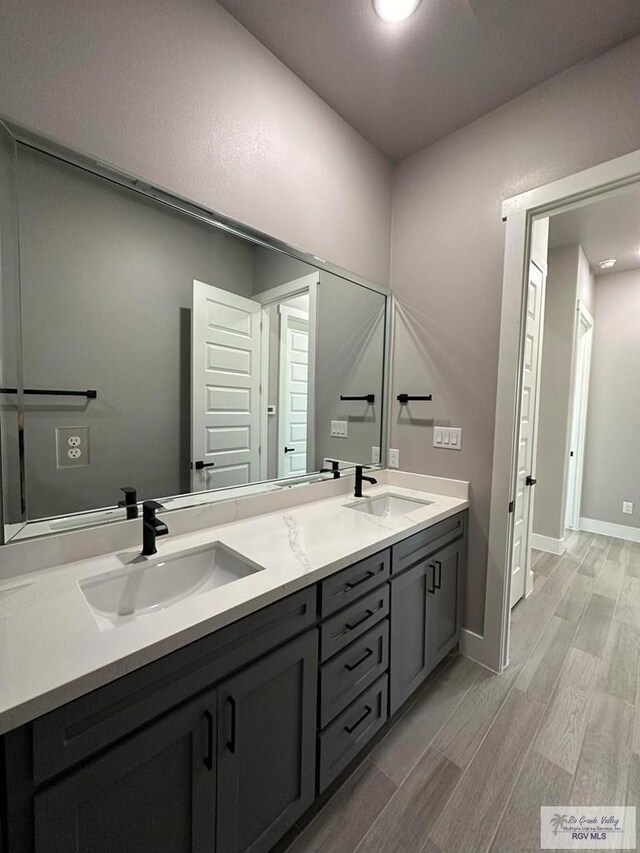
<point>475,755</point>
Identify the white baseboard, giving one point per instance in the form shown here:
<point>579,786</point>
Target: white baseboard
<point>607,528</point>
<point>547,543</point>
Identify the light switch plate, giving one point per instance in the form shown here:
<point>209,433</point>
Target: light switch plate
<point>394,458</point>
<point>627,507</point>
<point>447,438</point>
<point>339,429</point>
<point>72,447</point>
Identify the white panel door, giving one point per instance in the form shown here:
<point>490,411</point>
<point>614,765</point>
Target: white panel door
<point>523,503</point>
<point>582,373</point>
<point>225,378</point>
<point>293,394</point>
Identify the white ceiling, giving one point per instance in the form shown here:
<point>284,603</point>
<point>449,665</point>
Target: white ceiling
<point>406,85</point>
<point>606,229</point>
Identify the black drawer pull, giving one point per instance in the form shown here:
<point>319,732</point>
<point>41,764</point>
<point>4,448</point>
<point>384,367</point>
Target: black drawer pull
<point>350,729</point>
<point>231,743</point>
<point>208,759</point>
<point>351,666</point>
<point>351,627</point>
<point>438,583</point>
<point>349,585</point>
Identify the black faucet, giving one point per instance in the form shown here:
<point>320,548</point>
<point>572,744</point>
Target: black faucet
<point>130,502</point>
<point>152,527</point>
<point>359,478</point>
<point>333,470</point>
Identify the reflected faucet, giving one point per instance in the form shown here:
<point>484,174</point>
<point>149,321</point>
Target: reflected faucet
<point>359,478</point>
<point>335,469</point>
<point>130,502</point>
<point>152,527</point>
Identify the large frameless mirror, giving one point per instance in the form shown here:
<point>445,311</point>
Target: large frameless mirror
<point>164,354</point>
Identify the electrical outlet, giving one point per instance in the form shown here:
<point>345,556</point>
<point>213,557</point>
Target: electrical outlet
<point>72,447</point>
<point>448,438</point>
<point>339,429</point>
<point>375,455</point>
<point>627,507</point>
<point>394,458</point>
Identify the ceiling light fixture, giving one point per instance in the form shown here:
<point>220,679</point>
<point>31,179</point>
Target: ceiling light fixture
<point>395,10</point>
<point>607,264</point>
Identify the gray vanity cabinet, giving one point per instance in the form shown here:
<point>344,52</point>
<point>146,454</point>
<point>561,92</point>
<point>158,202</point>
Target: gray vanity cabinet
<point>266,747</point>
<point>409,659</point>
<point>443,602</point>
<point>155,791</point>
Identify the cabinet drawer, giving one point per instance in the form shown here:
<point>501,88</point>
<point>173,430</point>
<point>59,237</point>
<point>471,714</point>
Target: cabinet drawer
<point>352,670</point>
<point>420,545</point>
<point>346,586</point>
<point>75,731</point>
<point>351,731</point>
<point>352,622</point>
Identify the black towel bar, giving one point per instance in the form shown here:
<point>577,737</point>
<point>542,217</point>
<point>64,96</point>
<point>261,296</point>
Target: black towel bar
<point>370,398</point>
<point>404,398</point>
<point>90,394</point>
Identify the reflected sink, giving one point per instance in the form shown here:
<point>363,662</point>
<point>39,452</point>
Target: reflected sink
<point>388,506</point>
<point>145,586</point>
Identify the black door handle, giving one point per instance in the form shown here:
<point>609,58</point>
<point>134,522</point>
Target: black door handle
<point>231,743</point>
<point>208,759</point>
<point>438,583</point>
<point>289,449</point>
<point>530,481</point>
<point>199,465</point>
<point>431,589</point>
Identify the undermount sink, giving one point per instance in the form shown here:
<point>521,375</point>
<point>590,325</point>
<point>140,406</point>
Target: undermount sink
<point>145,586</point>
<point>388,506</point>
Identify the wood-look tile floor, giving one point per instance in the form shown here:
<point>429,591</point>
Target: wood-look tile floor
<point>474,755</point>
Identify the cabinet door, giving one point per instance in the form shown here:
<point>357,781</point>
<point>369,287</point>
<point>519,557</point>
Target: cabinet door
<point>442,602</point>
<point>267,747</point>
<point>153,792</point>
<point>408,660</point>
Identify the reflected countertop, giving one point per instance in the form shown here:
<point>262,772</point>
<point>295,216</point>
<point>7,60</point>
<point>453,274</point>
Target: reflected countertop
<point>52,649</point>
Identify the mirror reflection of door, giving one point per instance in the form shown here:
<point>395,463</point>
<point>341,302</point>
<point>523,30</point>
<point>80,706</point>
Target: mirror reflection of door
<point>293,392</point>
<point>225,379</point>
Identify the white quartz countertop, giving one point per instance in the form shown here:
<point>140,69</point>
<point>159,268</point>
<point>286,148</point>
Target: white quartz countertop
<point>52,649</point>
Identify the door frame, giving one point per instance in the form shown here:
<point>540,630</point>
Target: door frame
<point>297,286</point>
<point>285,313</point>
<point>519,212</point>
<point>583,344</point>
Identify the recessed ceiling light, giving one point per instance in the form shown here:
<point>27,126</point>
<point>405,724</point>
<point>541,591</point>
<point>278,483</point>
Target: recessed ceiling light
<point>395,10</point>
<point>607,264</point>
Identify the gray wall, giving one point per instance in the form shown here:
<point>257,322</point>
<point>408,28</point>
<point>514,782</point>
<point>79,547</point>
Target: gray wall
<point>349,361</point>
<point>107,291</point>
<point>447,261</point>
<point>569,279</point>
<point>612,460</point>
<point>182,95</point>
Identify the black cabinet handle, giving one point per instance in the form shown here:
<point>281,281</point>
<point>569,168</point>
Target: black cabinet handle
<point>361,621</point>
<point>431,589</point>
<point>231,743</point>
<point>353,584</point>
<point>438,583</point>
<point>350,729</point>
<point>351,666</point>
<point>530,481</point>
<point>208,759</point>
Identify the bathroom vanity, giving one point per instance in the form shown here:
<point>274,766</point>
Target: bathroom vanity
<point>223,743</point>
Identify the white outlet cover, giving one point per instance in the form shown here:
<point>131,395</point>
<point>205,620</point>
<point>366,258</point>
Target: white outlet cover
<point>375,455</point>
<point>627,507</point>
<point>394,458</point>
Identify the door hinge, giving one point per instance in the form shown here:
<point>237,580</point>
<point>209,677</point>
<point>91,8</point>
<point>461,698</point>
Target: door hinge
<point>512,506</point>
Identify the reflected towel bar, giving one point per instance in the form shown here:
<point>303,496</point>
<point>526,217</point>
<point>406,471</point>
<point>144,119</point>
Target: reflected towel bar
<point>90,394</point>
<point>370,398</point>
<point>404,398</point>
